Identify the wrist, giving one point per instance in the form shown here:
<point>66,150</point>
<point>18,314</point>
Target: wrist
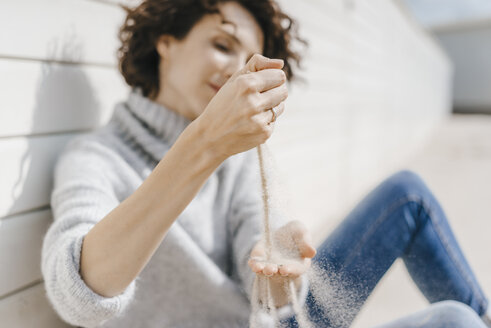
<point>200,132</point>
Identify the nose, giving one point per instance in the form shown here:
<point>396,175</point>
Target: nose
<point>235,63</point>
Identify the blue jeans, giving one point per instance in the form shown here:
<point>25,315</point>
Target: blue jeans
<point>399,219</point>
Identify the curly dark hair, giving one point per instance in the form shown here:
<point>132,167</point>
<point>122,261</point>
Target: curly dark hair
<point>144,24</point>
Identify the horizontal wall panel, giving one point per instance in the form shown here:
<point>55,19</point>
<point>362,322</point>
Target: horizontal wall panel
<point>26,171</point>
<point>21,239</point>
<point>43,98</point>
<point>28,309</point>
<point>68,30</point>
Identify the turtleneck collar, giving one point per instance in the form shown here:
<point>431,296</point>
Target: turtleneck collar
<point>152,126</point>
<point>160,121</point>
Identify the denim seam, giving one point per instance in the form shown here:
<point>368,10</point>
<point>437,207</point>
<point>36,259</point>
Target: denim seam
<point>374,227</point>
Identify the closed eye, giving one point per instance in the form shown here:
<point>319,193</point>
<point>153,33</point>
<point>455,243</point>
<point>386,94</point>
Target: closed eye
<point>222,47</point>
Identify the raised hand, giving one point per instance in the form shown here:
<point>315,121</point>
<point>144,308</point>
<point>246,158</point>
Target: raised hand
<point>238,117</point>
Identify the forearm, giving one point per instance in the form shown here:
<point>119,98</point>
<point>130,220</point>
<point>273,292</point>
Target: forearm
<point>117,248</point>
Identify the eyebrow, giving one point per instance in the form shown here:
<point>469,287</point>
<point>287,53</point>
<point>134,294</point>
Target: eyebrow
<point>232,36</point>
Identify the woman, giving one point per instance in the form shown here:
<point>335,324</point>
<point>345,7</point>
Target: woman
<point>157,215</point>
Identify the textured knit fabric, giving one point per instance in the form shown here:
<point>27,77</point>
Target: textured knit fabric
<point>199,276</point>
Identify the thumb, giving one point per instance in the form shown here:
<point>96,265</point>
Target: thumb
<point>304,244</point>
<point>307,250</point>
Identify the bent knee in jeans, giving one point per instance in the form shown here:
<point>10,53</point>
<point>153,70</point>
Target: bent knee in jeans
<point>405,183</point>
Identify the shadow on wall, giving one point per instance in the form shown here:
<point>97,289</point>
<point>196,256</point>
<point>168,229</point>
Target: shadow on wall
<point>65,102</point>
<point>65,92</point>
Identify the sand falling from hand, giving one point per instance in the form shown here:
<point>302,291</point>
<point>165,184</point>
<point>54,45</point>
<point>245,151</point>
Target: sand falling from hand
<point>332,296</point>
<point>261,297</point>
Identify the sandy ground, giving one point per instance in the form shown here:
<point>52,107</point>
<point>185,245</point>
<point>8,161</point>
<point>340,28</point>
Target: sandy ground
<point>456,164</point>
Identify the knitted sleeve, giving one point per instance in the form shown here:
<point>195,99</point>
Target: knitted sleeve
<point>83,194</point>
<point>247,224</point>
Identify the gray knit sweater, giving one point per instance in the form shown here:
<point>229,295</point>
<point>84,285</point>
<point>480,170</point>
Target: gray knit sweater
<point>198,277</point>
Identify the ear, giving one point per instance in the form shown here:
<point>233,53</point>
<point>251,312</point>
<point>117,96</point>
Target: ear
<point>163,45</point>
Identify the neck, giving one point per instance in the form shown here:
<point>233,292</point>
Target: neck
<point>170,100</point>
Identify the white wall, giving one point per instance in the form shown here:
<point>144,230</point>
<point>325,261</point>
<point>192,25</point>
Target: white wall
<point>58,78</point>
<point>377,85</point>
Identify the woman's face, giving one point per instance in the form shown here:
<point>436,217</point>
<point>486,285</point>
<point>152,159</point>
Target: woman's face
<point>193,69</point>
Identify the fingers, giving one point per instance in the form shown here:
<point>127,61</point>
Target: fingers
<point>268,79</point>
<point>261,74</point>
<point>256,266</point>
<point>259,266</point>
<point>294,269</point>
<point>259,62</point>
<point>291,269</point>
<point>269,117</point>
<point>273,97</point>
<point>278,111</point>
<point>270,269</point>
<point>258,255</point>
